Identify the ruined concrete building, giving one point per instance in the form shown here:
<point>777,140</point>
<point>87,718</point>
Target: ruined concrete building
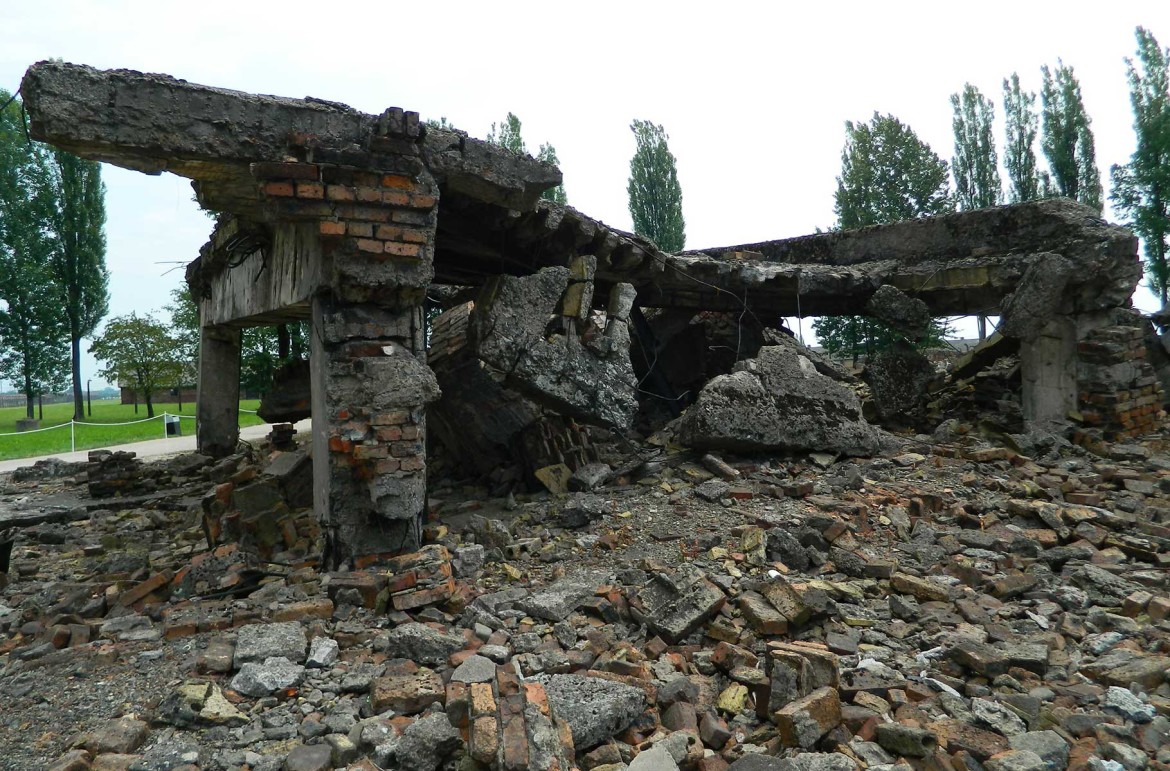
<point>346,219</point>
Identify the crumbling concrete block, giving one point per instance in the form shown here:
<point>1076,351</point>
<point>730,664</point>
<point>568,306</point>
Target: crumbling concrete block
<point>676,604</point>
<point>906,315</point>
<point>585,376</point>
<point>778,401</point>
<point>289,399</point>
<point>899,379</point>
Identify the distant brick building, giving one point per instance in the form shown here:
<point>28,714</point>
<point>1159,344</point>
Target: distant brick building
<point>161,395</point>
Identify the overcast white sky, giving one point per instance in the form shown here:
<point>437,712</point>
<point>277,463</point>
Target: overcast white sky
<point>753,95</point>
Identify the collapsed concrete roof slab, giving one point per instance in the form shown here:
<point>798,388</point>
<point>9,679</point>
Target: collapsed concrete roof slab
<point>154,123</point>
<point>958,264</point>
<point>963,263</point>
<point>490,221</point>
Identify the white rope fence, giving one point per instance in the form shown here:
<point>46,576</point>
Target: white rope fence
<point>72,424</point>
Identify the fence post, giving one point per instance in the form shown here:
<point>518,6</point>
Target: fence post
<point>72,437</point>
<point>164,424</point>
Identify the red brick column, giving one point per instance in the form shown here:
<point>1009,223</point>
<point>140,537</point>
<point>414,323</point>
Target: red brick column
<point>370,383</point>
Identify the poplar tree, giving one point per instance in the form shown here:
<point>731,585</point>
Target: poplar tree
<point>975,164</point>
<point>1066,138</point>
<point>78,257</point>
<point>507,135</point>
<point>1141,188</point>
<point>1019,154</point>
<point>655,196</point>
<point>32,325</point>
<point>548,154</point>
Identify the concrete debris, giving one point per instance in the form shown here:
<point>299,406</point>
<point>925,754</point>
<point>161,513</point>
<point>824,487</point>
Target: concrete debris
<point>596,709</point>
<point>276,673</point>
<point>906,315</point>
<point>487,428</point>
<point>288,400</point>
<point>576,370</point>
<point>715,612</point>
<point>1038,296</point>
<point>899,379</point>
<point>778,402</point>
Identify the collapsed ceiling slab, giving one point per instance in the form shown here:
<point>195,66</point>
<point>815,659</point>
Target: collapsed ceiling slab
<point>491,222</point>
<point>154,123</point>
<point>959,264</point>
<point>347,218</point>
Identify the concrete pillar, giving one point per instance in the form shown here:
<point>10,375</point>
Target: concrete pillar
<point>1048,373</point>
<point>218,396</point>
<point>370,387</point>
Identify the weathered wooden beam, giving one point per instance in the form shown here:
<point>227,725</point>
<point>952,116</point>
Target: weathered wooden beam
<point>282,274</point>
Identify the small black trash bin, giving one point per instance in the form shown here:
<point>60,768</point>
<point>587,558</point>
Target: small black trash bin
<point>172,424</point>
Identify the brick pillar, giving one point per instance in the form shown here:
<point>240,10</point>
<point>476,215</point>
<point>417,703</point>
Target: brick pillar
<point>218,395</point>
<point>1119,390</point>
<point>370,391</point>
<point>375,209</point>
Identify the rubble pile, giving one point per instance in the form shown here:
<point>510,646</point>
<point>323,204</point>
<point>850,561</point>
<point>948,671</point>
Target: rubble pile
<point>954,605</point>
<point>485,428</point>
<point>113,473</point>
<point>268,512</point>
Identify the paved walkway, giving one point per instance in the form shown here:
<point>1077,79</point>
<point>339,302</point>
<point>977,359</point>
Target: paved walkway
<point>152,448</point>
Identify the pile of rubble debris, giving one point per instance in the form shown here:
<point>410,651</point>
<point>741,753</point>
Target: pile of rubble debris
<point>953,604</point>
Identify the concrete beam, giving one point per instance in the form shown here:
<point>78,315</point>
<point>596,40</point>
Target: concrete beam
<point>964,263</point>
<point>155,123</point>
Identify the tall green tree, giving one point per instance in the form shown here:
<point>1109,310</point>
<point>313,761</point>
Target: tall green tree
<point>184,325</point>
<point>975,164</point>
<point>263,350</point>
<point>507,135</point>
<point>139,352</point>
<point>1026,182</point>
<point>1067,140</point>
<point>655,195</point>
<point>78,259</point>
<point>888,174</point>
<point>33,351</point>
<point>1141,188</point>
<point>548,154</point>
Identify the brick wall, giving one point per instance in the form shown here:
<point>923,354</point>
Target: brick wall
<point>1118,391</point>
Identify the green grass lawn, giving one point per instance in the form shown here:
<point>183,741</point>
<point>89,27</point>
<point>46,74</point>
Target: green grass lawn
<point>105,411</point>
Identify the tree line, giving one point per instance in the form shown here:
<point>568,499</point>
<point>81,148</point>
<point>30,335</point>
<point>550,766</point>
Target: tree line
<point>53,278</point>
<point>889,174</point>
<point>54,288</point>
